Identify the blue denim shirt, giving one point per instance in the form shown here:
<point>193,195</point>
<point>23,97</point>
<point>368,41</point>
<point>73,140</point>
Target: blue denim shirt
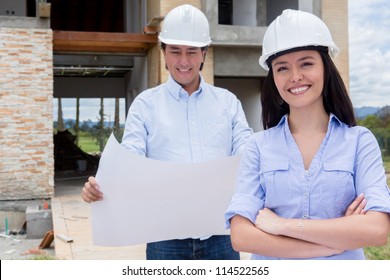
<point>272,175</point>
<point>165,123</point>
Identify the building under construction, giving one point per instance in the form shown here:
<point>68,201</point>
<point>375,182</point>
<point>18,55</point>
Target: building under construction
<point>109,49</point>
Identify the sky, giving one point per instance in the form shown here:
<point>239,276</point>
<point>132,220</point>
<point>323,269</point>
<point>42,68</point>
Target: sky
<point>369,52</point>
<point>369,63</point>
<point>89,109</point>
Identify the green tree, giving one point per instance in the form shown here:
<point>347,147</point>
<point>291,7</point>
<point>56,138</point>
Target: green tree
<point>371,122</point>
<point>379,125</point>
<point>384,116</point>
<point>87,126</point>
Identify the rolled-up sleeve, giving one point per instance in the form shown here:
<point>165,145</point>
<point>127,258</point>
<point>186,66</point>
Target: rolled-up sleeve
<point>248,198</point>
<point>370,173</point>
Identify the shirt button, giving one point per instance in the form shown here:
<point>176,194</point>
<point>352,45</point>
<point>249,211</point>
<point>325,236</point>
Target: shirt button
<point>305,195</point>
<point>308,173</point>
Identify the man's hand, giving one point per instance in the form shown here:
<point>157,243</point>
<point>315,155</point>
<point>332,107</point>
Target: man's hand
<point>90,192</point>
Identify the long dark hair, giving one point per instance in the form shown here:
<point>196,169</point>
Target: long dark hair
<point>334,94</point>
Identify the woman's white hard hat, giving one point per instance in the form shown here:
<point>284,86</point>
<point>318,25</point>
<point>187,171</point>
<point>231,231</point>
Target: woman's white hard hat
<point>185,25</point>
<point>295,29</point>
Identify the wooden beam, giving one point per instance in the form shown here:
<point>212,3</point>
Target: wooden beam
<point>75,41</point>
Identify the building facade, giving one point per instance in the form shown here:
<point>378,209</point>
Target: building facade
<point>118,44</point>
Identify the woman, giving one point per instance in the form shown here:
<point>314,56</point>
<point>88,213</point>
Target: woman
<point>298,176</point>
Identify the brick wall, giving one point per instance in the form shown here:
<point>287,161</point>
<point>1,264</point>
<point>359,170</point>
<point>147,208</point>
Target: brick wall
<point>26,122</point>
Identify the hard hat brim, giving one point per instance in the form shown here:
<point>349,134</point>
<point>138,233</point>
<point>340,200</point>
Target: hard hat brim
<point>265,60</point>
<point>184,43</point>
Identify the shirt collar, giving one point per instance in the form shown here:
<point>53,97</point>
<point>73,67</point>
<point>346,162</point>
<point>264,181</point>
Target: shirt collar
<point>332,118</point>
<point>282,120</point>
<point>176,89</point>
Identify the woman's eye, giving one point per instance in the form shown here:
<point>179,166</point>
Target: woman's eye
<point>305,64</point>
<point>280,69</point>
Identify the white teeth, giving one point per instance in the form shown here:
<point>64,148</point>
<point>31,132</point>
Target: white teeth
<point>300,89</point>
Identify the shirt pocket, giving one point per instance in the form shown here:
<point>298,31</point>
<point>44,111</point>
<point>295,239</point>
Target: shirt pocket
<point>338,187</point>
<point>276,183</point>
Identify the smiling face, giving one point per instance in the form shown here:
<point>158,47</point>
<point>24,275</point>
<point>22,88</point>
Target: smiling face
<point>183,63</point>
<point>299,78</point>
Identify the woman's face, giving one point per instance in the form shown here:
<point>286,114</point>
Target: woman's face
<point>299,78</point>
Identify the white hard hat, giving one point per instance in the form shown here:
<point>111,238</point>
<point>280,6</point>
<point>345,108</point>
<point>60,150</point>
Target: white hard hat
<point>185,25</point>
<point>295,29</point>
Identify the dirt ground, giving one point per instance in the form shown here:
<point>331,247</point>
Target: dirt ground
<point>18,247</point>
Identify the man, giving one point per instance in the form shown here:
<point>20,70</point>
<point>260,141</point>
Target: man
<point>184,120</point>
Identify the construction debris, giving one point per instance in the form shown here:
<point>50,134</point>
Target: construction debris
<point>64,238</point>
<point>47,240</point>
<point>67,153</point>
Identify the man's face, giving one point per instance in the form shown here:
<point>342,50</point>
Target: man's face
<point>183,63</point>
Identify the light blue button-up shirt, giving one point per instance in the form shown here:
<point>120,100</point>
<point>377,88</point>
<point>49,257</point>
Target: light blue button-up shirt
<point>165,123</point>
<point>272,175</point>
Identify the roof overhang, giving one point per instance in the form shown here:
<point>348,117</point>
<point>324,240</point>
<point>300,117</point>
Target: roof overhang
<point>103,42</point>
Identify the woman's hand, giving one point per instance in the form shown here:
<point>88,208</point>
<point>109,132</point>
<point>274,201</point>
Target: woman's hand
<point>357,206</point>
<point>268,221</point>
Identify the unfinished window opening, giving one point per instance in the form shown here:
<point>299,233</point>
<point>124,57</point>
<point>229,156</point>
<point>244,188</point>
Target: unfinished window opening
<point>18,8</point>
<point>242,12</point>
<point>252,13</point>
<point>87,15</point>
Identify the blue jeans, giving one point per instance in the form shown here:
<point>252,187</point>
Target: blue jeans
<point>217,247</point>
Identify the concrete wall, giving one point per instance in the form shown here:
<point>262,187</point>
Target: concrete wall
<point>335,15</point>
<point>26,123</point>
<point>89,87</point>
<point>247,91</point>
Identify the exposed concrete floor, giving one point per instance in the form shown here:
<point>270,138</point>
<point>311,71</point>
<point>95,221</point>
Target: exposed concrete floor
<point>17,247</point>
<point>71,217</point>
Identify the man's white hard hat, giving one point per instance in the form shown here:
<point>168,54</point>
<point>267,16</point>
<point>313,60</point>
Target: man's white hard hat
<point>292,30</point>
<point>185,25</point>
